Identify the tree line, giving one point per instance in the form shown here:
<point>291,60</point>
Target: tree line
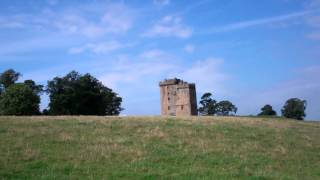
<point>73,94</point>
<point>77,94</point>
<point>293,108</point>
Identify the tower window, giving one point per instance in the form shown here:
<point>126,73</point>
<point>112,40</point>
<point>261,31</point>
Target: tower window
<point>168,98</point>
<point>182,107</point>
<point>168,107</point>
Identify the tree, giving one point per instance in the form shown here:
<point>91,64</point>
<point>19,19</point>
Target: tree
<point>208,105</point>
<point>45,112</point>
<point>37,89</point>
<point>226,108</point>
<point>294,108</point>
<point>267,111</point>
<point>8,78</point>
<point>76,94</point>
<point>19,99</point>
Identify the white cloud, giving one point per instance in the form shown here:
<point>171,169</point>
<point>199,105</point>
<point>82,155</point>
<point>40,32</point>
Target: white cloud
<point>161,2</point>
<point>169,26</point>
<point>189,48</point>
<point>207,74</point>
<point>127,72</point>
<point>115,18</point>
<point>118,18</point>
<point>154,54</point>
<point>76,24</point>
<point>99,48</point>
<point>258,22</point>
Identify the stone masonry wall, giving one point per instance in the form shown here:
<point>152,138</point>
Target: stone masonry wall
<point>178,98</point>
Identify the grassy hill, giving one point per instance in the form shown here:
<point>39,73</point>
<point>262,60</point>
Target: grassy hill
<point>155,147</point>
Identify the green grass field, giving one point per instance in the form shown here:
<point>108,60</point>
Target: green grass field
<point>158,148</point>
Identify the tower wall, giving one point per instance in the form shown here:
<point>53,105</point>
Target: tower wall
<point>178,98</point>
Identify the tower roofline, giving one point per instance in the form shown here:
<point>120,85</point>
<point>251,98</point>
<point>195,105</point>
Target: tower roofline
<point>174,81</point>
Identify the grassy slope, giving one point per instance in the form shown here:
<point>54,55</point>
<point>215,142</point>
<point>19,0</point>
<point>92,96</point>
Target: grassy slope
<point>142,147</point>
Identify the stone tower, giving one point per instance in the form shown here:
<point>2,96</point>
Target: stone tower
<point>178,98</point>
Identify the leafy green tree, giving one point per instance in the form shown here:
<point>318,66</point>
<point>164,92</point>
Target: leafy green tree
<point>19,99</point>
<point>8,78</point>
<point>226,108</point>
<point>37,89</point>
<point>208,105</point>
<point>294,108</point>
<point>267,111</point>
<point>76,94</point>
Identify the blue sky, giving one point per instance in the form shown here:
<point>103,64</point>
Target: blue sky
<point>247,51</point>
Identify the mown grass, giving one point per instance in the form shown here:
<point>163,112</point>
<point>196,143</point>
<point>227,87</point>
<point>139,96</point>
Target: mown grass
<point>158,148</point>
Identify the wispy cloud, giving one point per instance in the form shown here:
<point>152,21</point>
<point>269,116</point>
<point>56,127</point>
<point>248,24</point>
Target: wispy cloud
<point>77,25</point>
<point>207,73</point>
<point>161,2</point>
<point>189,48</point>
<point>154,54</point>
<point>258,22</point>
<point>128,72</point>
<point>169,26</point>
<point>118,18</point>
<point>114,18</point>
<point>191,6</point>
<point>99,48</point>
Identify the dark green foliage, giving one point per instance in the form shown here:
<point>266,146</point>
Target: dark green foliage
<point>37,89</point>
<point>8,78</point>
<point>76,94</point>
<point>294,108</point>
<point>208,105</point>
<point>19,99</point>
<point>226,108</point>
<point>267,111</point>
<point>45,112</point>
